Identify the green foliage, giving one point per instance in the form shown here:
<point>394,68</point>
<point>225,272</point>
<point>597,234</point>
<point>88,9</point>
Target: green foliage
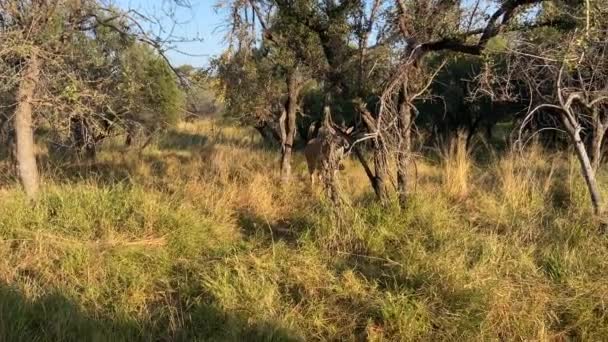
<point>149,88</point>
<point>95,71</point>
<point>251,86</point>
<point>200,98</point>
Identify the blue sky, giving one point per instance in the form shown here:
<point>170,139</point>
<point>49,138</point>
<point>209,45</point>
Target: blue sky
<point>202,20</point>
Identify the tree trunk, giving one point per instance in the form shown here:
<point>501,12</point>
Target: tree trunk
<point>377,177</point>
<point>597,139</point>
<point>26,148</point>
<point>380,169</point>
<point>586,166</point>
<point>268,133</point>
<point>290,124</point>
<point>404,154</point>
<point>82,138</point>
<point>7,138</point>
<point>377,182</point>
<point>596,147</point>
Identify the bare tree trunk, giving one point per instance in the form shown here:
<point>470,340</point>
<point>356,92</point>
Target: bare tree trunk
<point>586,166</point>
<point>83,138</point>
<point>380,168</point>
<point>130,133</point>
<point>293,84</point>
<point>404,154</point>
<point>283,133</point>
<point>596,146</point>
<point>7,138</point>
<point>282,129</point>
<point>26,148</point>
<point>599,131</point>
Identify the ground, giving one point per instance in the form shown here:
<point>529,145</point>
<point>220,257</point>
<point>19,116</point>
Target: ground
<point>193,239</point>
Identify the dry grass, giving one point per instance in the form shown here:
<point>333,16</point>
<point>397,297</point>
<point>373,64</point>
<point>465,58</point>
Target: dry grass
<point>457,168</point>
<point>194,240</point>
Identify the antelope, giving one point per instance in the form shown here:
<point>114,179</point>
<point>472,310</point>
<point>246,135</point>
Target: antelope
<point>317,151</point>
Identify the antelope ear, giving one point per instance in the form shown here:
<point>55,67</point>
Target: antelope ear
<point>350,130</point>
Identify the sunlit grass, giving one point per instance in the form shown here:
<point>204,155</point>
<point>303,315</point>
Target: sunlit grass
<point>193,239</point>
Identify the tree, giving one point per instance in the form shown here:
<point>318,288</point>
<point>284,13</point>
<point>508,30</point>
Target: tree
<point>330,24</point>
<point>281,64</point>
<point>150,96</point>
<point>435,28</point>
<point>568,82</point>
<point>377,64</point>
<point>26,147</point>
<point>23,28</point>
<point>251,91</point>
<point>55,76</point>
<point>200,99</point>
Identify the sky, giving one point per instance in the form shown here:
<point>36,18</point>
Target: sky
<point>202,21</point>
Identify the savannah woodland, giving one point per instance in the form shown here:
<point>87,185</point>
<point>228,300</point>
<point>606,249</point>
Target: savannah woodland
<point>345,170</point>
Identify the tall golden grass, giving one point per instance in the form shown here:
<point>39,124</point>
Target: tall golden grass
<point>194,239</point>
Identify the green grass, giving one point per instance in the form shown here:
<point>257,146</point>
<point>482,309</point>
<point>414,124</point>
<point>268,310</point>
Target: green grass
<point>193,241</point>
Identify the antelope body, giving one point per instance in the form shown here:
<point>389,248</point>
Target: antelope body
<point>317,152</point>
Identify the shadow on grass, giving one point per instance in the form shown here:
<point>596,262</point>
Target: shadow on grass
<point>54,317</point>
<point>249,142</point>
<point>175,140</point>
<point>385,273</point>
<point>112,172</point>
<point>73,170</point>
<point>288,230</point>
<point>66,166</point>
<point>184,141</point>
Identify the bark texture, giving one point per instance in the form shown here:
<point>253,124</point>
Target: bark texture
<point>600,124</point>
<point>404,153</point>
<point>380,163</point>
<point>291,107</point>
<point>26,148</point>
<point>586,166</point>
